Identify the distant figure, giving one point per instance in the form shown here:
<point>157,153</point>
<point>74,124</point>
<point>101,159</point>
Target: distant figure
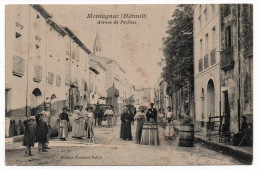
<point>89,119</point>
<point>140,117</point>
<point>29,135</point>
<point>126,119</point>
<point>64,120</point>
<point>47,118</point>
<point>169,132</point>
<point>100,116</point>
<point>109,113</point>
<point>152,113</point>
<point>41,133</point>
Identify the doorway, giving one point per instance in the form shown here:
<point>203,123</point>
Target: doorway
<point>210,99</point>
<point>36,102</point>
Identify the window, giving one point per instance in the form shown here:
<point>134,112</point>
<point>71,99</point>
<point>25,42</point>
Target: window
<point>58,80</point>
<point>37,73</point>
<point>50,77</point>
<point>200,65</point>
<point>228,38</point>
<point>206,13</point>
<point>213,38</point>
<point>206,61</point>
<point>212,8</point>
<point>18,43</point>
<point>226,10</point>
<point>201,48</point>
<point>7,101</point>
<point>18,66</point>
<point>206,43</point>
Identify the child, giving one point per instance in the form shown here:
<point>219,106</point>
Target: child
<point>29,135</point>
<point>41,133</point>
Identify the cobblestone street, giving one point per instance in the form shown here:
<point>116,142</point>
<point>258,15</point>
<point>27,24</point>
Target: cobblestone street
<point>109,149</point>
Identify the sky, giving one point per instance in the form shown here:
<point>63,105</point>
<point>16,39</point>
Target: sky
<point>136,47</point>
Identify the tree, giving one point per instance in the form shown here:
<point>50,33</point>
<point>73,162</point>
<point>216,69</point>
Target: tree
<point>178,50</point>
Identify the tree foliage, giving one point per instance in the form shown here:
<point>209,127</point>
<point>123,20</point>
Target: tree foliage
<point>178,49</point>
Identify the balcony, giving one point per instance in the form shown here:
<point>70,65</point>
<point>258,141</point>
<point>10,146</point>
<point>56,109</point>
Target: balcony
<point>227,59</point>
<point>213,57</point>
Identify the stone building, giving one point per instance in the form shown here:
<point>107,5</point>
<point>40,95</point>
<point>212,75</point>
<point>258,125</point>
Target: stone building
<point>116,85</point>
<point>236,63</point>
<point>97,87</point>
<point>45,64</point>
<point>206,61</point>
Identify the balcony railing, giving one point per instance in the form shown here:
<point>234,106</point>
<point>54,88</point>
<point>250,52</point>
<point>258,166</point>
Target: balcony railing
<point>227,59</point>
<point>206,61</point>
<point>213,57</point>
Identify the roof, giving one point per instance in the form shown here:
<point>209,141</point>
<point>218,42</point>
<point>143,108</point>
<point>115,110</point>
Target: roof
<point>56,27</point>
<point>98,63</point>
<point>76,39</point>
<point>42,11</point>
<point>60,29</point>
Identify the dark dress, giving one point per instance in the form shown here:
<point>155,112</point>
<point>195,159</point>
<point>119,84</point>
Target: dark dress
<point>41,132</point>
<point>126,120</point>
<point>152,113</point>
<point>29,134</point>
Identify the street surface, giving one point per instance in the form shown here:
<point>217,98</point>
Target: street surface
<point>109,149</point>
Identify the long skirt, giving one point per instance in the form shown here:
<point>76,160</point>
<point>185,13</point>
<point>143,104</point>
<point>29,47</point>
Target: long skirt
<point>89,129</point>
<point>150,134</point>
<point>169,131</point>
<point>126,130</point>
<point>109,121</point>
<point>63,129</point>
<point>138,132</point>
<point>78,128</point>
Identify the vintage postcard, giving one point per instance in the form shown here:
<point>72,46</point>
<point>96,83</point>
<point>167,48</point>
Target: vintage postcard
<point>151,84</point>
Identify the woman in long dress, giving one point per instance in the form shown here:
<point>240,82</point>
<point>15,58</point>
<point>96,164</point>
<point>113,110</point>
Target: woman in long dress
<point>126,119</point>
<point>140,117</point>
<point>169,131</point>
<point>89,119</point>
<point>64,120</point>
<point>78,123</point>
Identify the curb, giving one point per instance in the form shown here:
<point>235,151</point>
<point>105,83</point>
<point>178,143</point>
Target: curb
<point>14,139</point>
<point>241,156</point>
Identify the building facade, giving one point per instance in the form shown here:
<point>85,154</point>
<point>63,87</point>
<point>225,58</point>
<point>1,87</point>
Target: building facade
<point>45,64</point>
<point>236,64</point>
<point>206,62</point>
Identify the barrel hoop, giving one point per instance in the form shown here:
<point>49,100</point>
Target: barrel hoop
<point>185,131</point>
<point>151,128</point>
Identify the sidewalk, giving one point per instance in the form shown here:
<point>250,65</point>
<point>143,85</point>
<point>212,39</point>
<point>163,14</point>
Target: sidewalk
<point>243,153</point>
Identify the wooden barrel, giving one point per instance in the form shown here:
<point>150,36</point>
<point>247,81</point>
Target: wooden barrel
<point>150,134</point>
<point>186,135</point>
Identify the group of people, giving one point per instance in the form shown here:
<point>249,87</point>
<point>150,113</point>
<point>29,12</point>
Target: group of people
<point>37,133</point>
<point>128,117</point>
<point>37,128</point>
<point>82,123</point>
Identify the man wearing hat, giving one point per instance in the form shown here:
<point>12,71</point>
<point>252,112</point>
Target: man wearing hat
<point>46,118</point>
<point>152,113</point>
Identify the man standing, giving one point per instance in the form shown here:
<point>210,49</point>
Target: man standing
<point>46,117</point>
<point>152,113</point>
<point>109,113</point>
